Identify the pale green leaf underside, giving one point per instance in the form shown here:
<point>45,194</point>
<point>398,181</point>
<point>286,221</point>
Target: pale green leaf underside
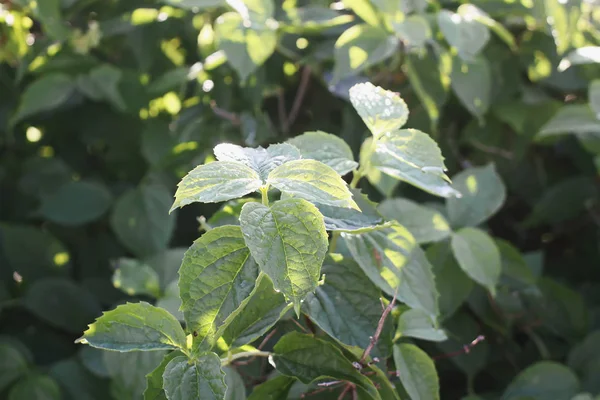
<point>381,110</point>
<point>466,34</point>
<point>261,160</point>
<point>289,242</point>
<point>135,326</point>
<point>412,156</point>
<point>348,307</point>
<point>313,181</point>
<point>425,224</point>
<point>417,324</point>
<point>348,219</point>
<point>327,148</point>
<point>483,193</point>
<point>216,278</point>
<point>391,258</point>
<point>572,118</point>
<point>360,47</point>
<point>478,256</point>
<point>246,47</point>
<point>204,379</point>
<point>417,372</point>
<point>215,182</point>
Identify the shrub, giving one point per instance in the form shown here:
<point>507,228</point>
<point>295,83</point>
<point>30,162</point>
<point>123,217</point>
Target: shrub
<point>377,279</point>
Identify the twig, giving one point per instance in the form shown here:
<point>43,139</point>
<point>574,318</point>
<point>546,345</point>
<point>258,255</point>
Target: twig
<point>283,119</point>
<point>231,117</point>
<point>346,390</point>
<point>328,384</point>
<point>299,325</point>
<point>465,350</point>
<point>304,79</point>
<point>492,150</point>
<point>260,346</point>
<point>379,329</point>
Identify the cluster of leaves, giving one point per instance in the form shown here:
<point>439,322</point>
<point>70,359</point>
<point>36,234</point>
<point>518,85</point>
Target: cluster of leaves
<point>481,286</point>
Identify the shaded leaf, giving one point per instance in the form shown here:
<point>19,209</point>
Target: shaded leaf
<point>466,34</point>
<point>546,380</point>
<point>478,256</point>
<point>13,364</point>
<point>572,118</point>
<point>417,372</point>
<point>483,193</point>
<point>134,277</point>
<point>472,83</point>
<point>76,203</point>
<point>45,94</point>
<point>417,324</point>
<point>35,387</point>
<point>274,389</point>
<point>425,224</point>
<point>154,380</point>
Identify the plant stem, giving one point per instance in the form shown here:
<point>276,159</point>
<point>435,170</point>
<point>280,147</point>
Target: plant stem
<point>233,357</point>
<point>356,176</point>
<point>265,195</point>
<point>334,238</point>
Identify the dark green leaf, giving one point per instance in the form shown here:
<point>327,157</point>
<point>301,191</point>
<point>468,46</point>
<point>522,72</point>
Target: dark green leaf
<point>76,203</point>
<point>35,387</point>
<point>134,277</point>
<point>274,389</point>
<point>128,371</point>
<point>13,364</point>
<point>308,358</point>
<point>546,380</point>
<point>154,380</point>
<point>45,94</point>
<point>348,308</point>
<point>235,385</point>
<point>417,324</point>
<point>472,84</point>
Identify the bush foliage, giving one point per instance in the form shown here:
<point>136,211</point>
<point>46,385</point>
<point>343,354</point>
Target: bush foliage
<point>373,199</point>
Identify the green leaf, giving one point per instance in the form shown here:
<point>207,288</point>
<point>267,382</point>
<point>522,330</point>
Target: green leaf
<point>562,19</point>
<point>263,161</point>
<point>471,12</point>
<point>365,10</point>
<point>348,308</point>
<point>381,110</point>
<point>202,379</point>
<point>141,221</point>
<point>584,359</point>
<point>215,182</point>
<point>472,84</point>
<point>154,380</point>
<point>102,83</point>
<point>417,324</point>
<point>515,271</point>
<point>265,307</point>
<point>483,193</point>
<point>425,224</point>
<point>247,46</point>
<point>76,203</point>
<point>216,278</point>
<point>274,389</point>
<point>562,310</point>
<point>196,4</point>
<point>13,364</point>
<point>545,380</point>
<point>35,387</point>
<point>452,284</point>
<point>45,94</point>
<point>236,390</point>
<point>166,264</point>
<point>54,23</point>
<point>414,31</point>
<point>327,148</point>
<point>134,277</point>
<point>171,301</point>
<point>478,256</point>
<point>308,358</point>
<point>572,118</point>
<point>61,303</point>
<point>313,181</point>
<point>417,372</point>
<point>465,34</point>
<point>594,97</point>
<point>428,80</point>
<point>582,55</point>
<point>128,371</point>
<point>289,242</point>
<point>393,261</point>
<point>360,47</point>
<point>412,156</point>
<point>135,326</point>
<point>381,381</point>
<point>348,220</point>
